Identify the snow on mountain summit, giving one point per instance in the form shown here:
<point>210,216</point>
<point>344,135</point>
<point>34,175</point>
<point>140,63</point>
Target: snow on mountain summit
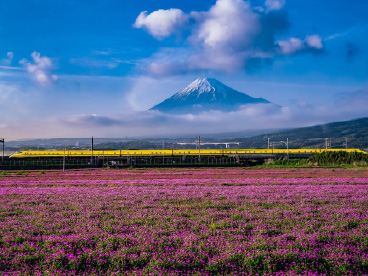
<point>206,94</point>
<point>202,85</point>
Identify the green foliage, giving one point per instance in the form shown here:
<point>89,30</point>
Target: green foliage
<point>15,173</point>
<point>340,158</point>
<point>323,159</point>
<point>289,163</point>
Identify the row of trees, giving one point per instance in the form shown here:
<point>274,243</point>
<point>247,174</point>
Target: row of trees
<point>339,158</point>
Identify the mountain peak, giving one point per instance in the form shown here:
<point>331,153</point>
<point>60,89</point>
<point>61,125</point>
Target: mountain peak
<point>206,94</point>
<point>205,85</point>
<point>201,84</point>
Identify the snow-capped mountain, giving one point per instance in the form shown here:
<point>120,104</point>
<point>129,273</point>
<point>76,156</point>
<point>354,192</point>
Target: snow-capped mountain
<point>206,94</point>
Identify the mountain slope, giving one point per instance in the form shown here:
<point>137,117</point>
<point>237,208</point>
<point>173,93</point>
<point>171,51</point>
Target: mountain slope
<point>206,94</point>
<point>356,131</point>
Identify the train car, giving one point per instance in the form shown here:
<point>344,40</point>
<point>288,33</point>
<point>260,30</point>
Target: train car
<point>171,152</point>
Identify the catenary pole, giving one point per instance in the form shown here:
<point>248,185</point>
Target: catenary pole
<point>64,161</point>
<point>92,151</point>
<point>3,141</point>
<point>346,143</point>
<point>199,146</point>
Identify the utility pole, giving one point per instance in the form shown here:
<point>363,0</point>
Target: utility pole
<point>273,147</point>
<point>163,143</point>
<point>92,151</point>
<point>64,161</point>
<point>3,141</point>
<point>346,143</point>
<point>199,147</point>
<point>268,144</point>
<point>326,142</point>
<point>287,146</point>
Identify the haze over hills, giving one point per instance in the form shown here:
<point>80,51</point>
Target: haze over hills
<point>205,94</point>
<point>307,137</point>
<point>356,131</point>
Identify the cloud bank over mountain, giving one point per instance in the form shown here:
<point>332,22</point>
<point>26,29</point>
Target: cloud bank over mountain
<point>232,35</point>
<point>127,122</point>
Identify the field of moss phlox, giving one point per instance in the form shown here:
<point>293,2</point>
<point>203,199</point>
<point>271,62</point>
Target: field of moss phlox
<point>231,221</point>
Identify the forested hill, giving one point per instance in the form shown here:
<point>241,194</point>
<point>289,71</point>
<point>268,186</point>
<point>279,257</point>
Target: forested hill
<point>314,137</point>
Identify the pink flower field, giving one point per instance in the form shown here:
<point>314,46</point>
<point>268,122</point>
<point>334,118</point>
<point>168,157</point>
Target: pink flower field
<point>185,222</point>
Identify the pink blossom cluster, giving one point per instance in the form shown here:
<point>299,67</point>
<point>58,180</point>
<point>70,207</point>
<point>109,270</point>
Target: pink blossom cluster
<point>184,226</point>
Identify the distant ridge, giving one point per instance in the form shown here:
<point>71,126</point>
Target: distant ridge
<point>356,131</point>
<point>206,94</point>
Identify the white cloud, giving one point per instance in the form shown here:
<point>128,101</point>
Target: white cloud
<point>338,35</point>
<point>296,45</point>
<point>314,41</point>
<point>290,46</point>
<point>40,69</point>
<point>153,123</point>
<point>228,24</point>
<point>8,60</point>
<point>272,5</point>
<point>221,39</point>
<point>161,23</point>
<point>232,35</point>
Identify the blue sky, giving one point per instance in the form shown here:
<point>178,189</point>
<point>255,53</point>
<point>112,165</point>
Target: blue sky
<point>73,68</point>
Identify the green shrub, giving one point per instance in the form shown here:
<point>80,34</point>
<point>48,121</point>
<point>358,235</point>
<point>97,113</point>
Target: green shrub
<point>339,158</point>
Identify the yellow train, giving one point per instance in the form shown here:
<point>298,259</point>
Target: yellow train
<point>174,152</point>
